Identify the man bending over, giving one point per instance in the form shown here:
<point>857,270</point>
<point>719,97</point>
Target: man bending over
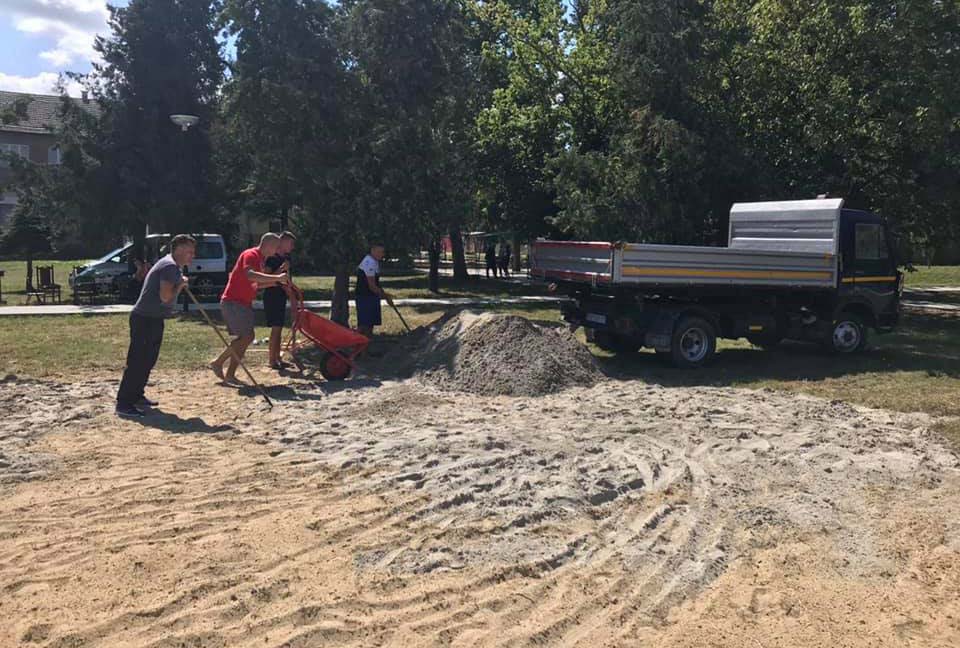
<point>236,302</point>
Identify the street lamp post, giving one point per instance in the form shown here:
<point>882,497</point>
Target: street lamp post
<point>184,122</point>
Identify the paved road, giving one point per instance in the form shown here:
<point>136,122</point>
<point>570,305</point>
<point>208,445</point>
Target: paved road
<point>112,309</point>
<point>914,300</point>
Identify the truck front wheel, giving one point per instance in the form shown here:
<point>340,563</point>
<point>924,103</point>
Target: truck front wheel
<point>848,335</point>
<point>693,344</point>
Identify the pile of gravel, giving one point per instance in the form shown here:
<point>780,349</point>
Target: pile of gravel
<point>496,354</point>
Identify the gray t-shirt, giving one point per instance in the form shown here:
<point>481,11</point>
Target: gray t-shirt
<point>149,304</point>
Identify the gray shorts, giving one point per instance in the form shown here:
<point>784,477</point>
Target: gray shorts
<point>239,318</point>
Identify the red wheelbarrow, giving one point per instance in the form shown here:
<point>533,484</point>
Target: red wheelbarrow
<point>341,344</point>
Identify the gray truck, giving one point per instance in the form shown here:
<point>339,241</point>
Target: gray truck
<point>807,270</point>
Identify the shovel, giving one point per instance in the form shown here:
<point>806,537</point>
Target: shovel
<point>397,311</point>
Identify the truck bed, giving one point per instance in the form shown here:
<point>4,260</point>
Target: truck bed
<point>791,244</point>
<point>675,265</point>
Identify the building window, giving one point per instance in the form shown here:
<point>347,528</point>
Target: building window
<point>53,155</point>
<point>23,150</point>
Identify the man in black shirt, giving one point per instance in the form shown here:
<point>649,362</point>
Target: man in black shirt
<point>275,297</point>
<point>369,292</point>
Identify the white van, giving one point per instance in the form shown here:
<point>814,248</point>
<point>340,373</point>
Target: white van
<point>112,272</point>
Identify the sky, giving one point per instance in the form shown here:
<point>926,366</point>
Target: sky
<point>41,38</point>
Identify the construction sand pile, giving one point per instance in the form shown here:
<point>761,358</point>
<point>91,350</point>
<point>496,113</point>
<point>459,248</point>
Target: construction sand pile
<point>495,354</point>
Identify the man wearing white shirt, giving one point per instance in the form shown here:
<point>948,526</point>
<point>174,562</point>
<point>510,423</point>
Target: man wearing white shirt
<point>369,292</point>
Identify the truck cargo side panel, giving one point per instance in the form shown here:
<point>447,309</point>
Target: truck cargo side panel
<point>677,265</point>
<point>573,261</point>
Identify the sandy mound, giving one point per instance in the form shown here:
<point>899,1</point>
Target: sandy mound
<point>496,354</point>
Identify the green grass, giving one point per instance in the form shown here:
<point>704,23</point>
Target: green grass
<point>414,285</point>
<point>931,276</point>
<point>916,369</point>
<point>15,278</point>
<point>64,345</point>
<point>417,286</point>
<point>315,287</point>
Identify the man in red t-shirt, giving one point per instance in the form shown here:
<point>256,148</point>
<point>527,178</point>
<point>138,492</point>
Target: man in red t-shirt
<point>236,302</point>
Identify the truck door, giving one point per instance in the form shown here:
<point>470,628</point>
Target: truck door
<point>869,268</point>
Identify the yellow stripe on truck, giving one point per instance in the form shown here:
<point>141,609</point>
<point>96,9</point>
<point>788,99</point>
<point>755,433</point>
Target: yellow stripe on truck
<point>868,279</point>
<point>726,274</point>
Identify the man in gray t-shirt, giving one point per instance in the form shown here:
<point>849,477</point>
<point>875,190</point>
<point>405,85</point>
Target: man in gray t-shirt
<point>150,304</point>
<point>157,299</point>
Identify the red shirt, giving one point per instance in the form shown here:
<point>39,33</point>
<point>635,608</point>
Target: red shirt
<point>240,289</point>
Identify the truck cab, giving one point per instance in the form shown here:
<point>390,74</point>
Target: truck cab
<point>808,270</point>
<point>869,280</point>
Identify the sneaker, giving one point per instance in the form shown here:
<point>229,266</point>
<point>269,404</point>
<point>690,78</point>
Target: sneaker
<point>129,412</point>
<point>146,402</point>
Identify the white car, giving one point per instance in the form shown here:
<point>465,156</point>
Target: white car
<point>110,273</point>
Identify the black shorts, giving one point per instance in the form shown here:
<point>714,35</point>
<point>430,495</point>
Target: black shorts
<point>275,307</point>
<point>368,310</point>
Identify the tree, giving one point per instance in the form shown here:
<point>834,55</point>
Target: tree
<point>407,177</point>
<point>518,130</point>
<point>642,161</point>
<point>29,231</point>
<point>285,100</point>
<point>161,58</point>
<point>854,98</point>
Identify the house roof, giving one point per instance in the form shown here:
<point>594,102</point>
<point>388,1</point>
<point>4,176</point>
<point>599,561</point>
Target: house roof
<point>43,112</point>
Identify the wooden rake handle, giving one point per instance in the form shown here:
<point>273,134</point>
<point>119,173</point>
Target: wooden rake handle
<point>230,348</point>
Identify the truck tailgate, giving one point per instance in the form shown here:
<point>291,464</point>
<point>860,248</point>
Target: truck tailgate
<point>579,261</point>
<point>639,264</point>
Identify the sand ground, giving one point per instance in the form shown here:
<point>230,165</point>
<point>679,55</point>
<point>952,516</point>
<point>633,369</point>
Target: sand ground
<point>394,514</point>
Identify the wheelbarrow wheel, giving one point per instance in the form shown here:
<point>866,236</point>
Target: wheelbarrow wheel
<point>334,367</point>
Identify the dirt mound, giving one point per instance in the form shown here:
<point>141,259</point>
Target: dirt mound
<point>496,354</point>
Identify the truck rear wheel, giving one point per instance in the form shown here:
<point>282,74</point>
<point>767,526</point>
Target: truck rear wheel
<point>693,344</point>
<point>848,335</point>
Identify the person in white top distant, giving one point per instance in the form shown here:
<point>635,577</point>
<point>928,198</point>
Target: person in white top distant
<point>369,292</point>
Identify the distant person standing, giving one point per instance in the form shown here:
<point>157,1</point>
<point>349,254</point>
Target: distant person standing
<point>491,256</point>
<point>236,302</point>
<point>275,297</point>
<point>161,285</point>
<point>505,253</point>
<point>369,293</point>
